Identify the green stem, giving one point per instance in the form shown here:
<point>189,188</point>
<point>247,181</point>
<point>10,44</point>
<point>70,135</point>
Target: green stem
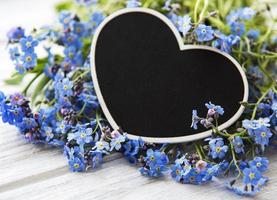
<point>30,83</point>
<point>196,10</point>
<point>259,101</point>
<point>258,55</point>
<point>235,159</point>
<point>82,110</point>
<point>147,3</point>
<point>274,89</point>
<point>215,128</point>
<point>240,49</point>
<point>202,151</point>
<point>52,102</point>
<point>81,75</point>
<point>197,148</point>
<point>206,3</point>
<point>98,119</point>
<point>108,5</point>
<point>43,96</point>
<point>263,69</point>
<point>265,36</point>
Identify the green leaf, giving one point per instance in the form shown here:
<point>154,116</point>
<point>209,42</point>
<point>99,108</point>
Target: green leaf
<point>219,24</point>
<point>246,104</point>
<point>15,79</point>
<point>40,65</point>
<point>39,87</point>
<point>66,5</point>
<point>86,47</point>
<point>227,7</point>
<point>59,116</point>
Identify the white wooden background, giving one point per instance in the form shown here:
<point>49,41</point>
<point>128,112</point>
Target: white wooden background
<point>29,171</point>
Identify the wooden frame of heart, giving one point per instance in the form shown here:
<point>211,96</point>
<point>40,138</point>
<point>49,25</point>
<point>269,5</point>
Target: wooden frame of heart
<point>183,47</point>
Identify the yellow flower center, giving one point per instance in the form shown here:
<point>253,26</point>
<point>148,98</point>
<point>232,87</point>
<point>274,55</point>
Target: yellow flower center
<point>177,171</point>
<point>76,165</point>
<point>48,133</point>
<point>28,58</point>
<point>69,39</point>
<point>251,176</point>
<point>186,167</point>
<point>263,134</point>
<point>28,44</point>
<point>152,158</point>
<point>83,135</point>
<point>218,149</point>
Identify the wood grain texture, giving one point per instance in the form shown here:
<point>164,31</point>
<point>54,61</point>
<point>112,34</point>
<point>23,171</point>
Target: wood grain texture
<point>29,171</point>
<point>36,172</point>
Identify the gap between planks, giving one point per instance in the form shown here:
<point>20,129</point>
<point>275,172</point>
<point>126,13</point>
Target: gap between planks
<point>32,179</point>
<point>15,150</point>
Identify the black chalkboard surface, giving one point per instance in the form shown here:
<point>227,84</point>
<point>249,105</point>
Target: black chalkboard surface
<point>148,82</point>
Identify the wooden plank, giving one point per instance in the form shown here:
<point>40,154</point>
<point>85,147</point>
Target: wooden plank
<point>20,159</point>
<point>117,180</point>
<point>36,172</point>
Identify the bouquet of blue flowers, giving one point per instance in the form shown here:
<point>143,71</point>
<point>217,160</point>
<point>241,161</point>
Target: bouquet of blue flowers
<point>59,106</point>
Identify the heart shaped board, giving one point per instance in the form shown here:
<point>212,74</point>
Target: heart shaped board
<point>148,82</point>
